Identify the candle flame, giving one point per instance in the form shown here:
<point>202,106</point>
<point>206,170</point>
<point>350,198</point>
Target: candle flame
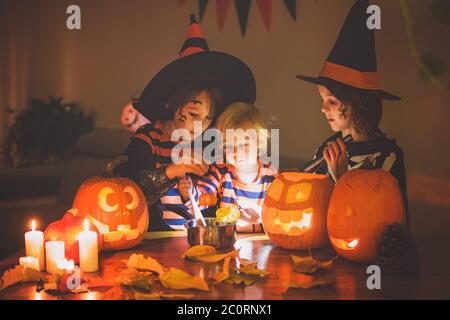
<point>86,225</point>
<point>33,225</point>
<point>352,244</point>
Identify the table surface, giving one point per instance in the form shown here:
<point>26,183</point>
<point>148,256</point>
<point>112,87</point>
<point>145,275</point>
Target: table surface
<point>433,282</point>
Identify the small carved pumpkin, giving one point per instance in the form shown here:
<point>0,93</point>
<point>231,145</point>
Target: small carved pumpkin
<point>117,207</point>
<point>295,208</point>
<point>67,230</point>
<point>363,203</point>
<point>131,118</point>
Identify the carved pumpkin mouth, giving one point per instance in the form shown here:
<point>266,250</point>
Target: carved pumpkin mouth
<point>295,227</point>
<point>123,230</point>
<point>349,244</point>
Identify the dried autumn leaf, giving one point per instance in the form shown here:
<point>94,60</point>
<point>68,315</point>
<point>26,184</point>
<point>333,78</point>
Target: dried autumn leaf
<point>178,279</point>
<point>309,265</point>
<point>161,295</point>
<point>133,278</point>
<point>225,273</point>
<point>307,282</point>
<point>18,274</point>
<point>196,251</point>
<point>207,254</point>
<point>246,263</point>
<point>138,261</point>
<point>238,279</point>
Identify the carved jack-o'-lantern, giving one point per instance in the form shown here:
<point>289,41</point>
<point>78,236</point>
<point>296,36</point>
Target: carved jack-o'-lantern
<point>131,119</point>
<point>295,210</point>
<point>117,207</point>
<point>363,203</point>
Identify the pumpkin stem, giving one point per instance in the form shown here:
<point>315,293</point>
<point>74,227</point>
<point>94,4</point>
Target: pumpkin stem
<point>113,164</point>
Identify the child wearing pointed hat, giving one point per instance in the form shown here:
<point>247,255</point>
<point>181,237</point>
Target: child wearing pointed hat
<point>351,96</point>
<point>192,89</point>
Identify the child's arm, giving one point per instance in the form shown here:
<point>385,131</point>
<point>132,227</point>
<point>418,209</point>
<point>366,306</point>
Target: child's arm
<point>205,189</point>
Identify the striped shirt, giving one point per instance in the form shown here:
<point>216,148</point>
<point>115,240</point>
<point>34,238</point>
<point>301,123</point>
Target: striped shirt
<point>225,184</point>
<point>161,147</point>
<point>160,143</point>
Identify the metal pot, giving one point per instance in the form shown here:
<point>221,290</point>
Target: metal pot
<point>216,234</point>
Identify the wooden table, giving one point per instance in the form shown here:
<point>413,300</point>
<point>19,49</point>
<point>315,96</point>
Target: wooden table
<point>434,280</point>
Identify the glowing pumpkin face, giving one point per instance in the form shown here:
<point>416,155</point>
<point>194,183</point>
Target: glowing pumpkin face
<point>117,207</point>
<point>131,119</point>
<point>363,203</point>
<point>295,209</point>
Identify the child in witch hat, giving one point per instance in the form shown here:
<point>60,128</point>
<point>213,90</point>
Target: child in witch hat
<point>193,88</point>
<point>352,104</point>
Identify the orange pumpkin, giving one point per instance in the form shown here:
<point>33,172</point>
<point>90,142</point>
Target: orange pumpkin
<point>67,230</point>
<point>294,212</point>
<point>363,203</point>
<point>117,207</point>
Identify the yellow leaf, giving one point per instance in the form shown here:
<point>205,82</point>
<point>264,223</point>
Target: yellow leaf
<point>309,265</point>
<point>308,282</point>
<point>178,279</point>
<point>196,251</point>
<point>207,254</point>
<point>18,274</point>
<point>138,261</point>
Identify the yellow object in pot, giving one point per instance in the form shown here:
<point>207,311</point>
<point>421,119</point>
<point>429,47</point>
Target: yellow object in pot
<point>227,215</point>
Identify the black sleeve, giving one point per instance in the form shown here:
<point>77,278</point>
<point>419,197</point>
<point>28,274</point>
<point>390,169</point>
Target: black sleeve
<point>398,171</point>
<point>141,168</point>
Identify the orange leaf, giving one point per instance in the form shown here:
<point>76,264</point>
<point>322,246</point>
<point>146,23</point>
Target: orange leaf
<point>18,274</point>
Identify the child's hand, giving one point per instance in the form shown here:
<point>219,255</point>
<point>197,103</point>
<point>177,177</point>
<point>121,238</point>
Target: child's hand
<point>335,154</point>
<point>250,216</point>
<point>180,170</point>
<point>184,184</point>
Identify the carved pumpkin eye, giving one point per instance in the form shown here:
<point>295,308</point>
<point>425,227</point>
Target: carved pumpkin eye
<point>103,199</point>
<point>298,193</point>
<point>134,198</point>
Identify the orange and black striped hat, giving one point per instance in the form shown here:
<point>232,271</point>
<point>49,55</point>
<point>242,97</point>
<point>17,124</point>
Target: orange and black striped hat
<point>352,63</point>
<point>196,64</point>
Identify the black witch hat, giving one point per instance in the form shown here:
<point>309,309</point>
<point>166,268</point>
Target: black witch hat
<point>352,63</point>
<point>197,64</point>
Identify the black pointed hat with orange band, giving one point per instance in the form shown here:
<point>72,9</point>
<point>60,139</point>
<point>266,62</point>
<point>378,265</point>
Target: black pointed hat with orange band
<point>352,63</point>
<point>197,64</point>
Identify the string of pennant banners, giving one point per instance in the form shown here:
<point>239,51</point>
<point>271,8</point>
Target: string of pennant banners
<point>243,10</point>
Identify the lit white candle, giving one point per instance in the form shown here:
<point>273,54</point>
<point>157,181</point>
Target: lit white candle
<point>65,265</point>
<point>54,251</point>
<point>34,244</point>
<point>30,262</point>
<point>88,249</point>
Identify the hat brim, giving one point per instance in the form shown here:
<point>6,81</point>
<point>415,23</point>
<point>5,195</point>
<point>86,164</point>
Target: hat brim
<point>229,74</point>
<point>330,83</point>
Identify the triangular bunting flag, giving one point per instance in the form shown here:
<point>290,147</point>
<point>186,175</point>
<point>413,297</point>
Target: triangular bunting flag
<point>265,8</point>
<point>222,7</point>
<point>202,4</point>
<point>291,5</point>
<point>243,10</point>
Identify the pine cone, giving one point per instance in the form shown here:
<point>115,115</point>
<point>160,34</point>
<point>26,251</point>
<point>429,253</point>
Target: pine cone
<point>397,251</point>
